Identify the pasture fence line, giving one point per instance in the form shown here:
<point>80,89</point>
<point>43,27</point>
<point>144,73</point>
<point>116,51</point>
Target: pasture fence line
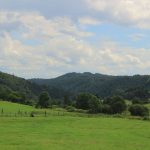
<point>20,113</point>
<point>45,113</point>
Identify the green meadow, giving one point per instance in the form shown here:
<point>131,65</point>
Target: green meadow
<point>70,133</point>
<point>9,107</point>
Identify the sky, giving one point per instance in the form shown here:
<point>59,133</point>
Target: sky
<point>48,38</point>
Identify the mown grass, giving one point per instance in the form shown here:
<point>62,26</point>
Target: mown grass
<point>73,133</point>
<point>70,133</point>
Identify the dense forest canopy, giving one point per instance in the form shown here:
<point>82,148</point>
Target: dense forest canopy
<point>99,84</point>
<point>17,89</point>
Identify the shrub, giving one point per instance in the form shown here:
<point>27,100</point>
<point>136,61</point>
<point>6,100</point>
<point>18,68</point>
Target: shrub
<point>70,109</point>
<point>32,114</point>
<point>81,111</point>
<point>146,118</point>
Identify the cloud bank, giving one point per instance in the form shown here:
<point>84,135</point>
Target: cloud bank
<point>124,12</point>
<point>35,44</point>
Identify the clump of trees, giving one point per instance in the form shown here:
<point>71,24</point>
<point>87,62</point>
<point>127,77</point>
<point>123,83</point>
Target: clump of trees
<point>82,100</point>
<point>114,105</point>
<point>93,104</point>
<point>89,102</point>
<point>138,110</point>
<point>111,105</point>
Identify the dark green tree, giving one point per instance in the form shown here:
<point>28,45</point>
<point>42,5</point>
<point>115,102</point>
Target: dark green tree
<point>118,107</point>
<point>88,102</point>
<point>44,100</point>
<point>82,101</point>
<point>94,105</point>
<point>116,103</point>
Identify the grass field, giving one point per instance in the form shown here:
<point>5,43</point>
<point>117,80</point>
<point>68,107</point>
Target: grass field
<point>71,133</point>
<point>75,133</point>
<point>14,107</point>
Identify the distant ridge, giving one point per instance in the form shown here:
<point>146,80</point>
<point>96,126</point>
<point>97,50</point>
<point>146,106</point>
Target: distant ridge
<point>20,90</point>
<point>98,84</point>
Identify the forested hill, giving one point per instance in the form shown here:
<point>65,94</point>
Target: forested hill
<point>17,89</point>
<point>98,84</point>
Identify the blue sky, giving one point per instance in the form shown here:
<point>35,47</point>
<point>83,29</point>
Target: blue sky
<point>49,38</point>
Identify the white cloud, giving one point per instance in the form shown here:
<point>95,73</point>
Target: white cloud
<point>36,24</point>
<point>89,21</point>
<point>61,42</point>
<point>62,48</point>
<point>134,13</point>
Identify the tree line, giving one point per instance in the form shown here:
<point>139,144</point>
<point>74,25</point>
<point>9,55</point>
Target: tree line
<point>94,105</point>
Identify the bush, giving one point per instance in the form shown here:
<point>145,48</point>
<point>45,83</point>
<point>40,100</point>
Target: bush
<point>70,109</point>
<point>146,118</point>
<point>32,114</point>
<point>81,111</point>
<point>138,110</point>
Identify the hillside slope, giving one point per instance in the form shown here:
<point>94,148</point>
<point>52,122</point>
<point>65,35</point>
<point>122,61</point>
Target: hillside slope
<point>17,89</point>
<point>98,84</point>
